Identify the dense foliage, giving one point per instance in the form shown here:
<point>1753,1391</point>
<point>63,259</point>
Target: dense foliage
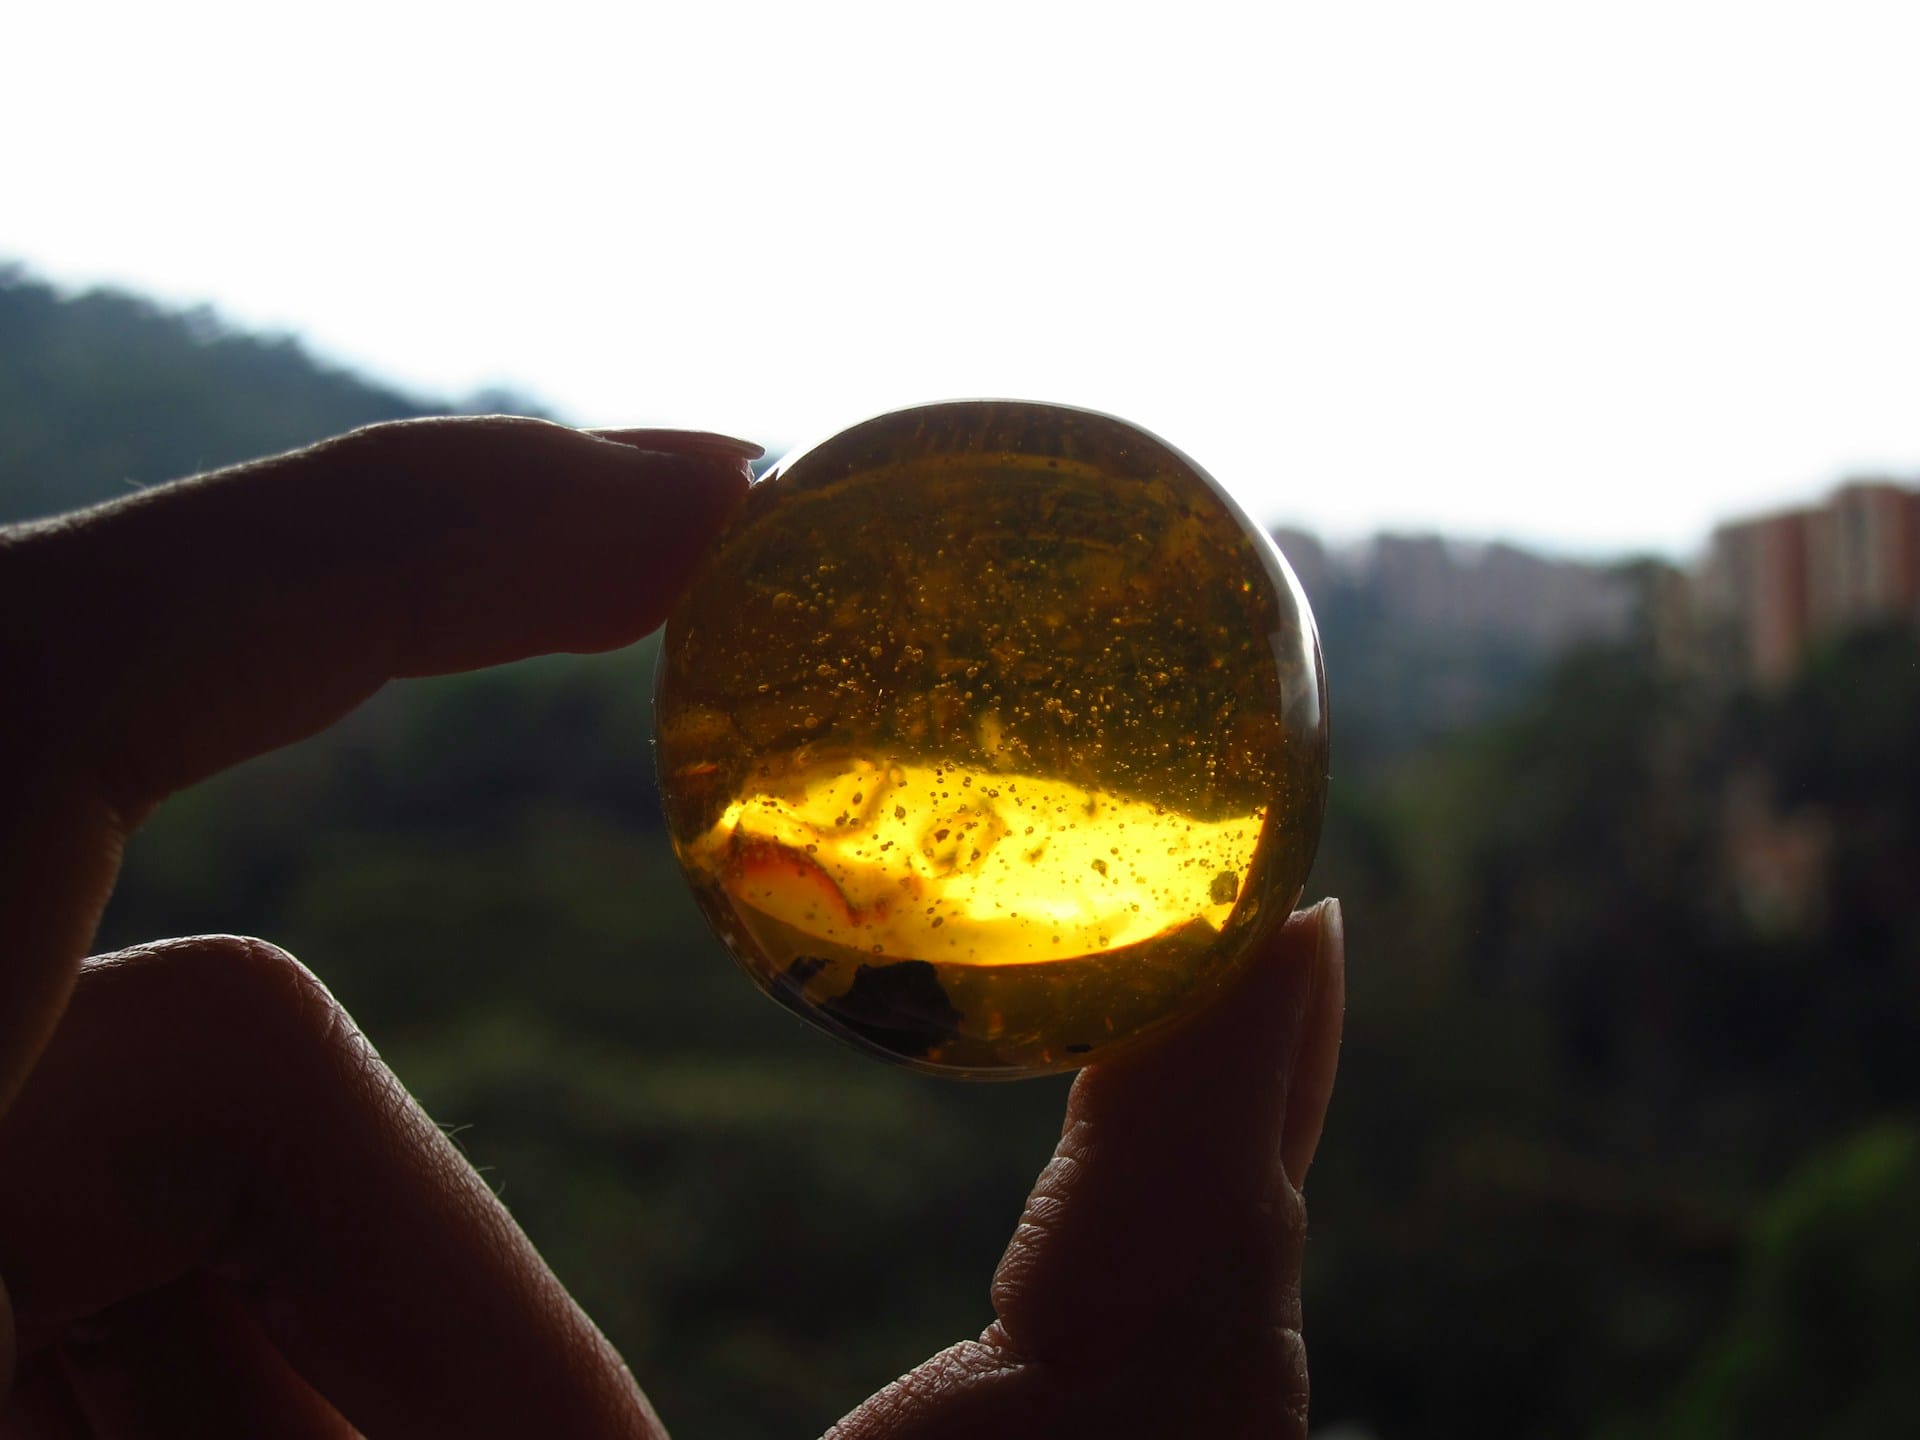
<point>1635,976</point>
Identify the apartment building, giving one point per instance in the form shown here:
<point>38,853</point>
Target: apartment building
<point>1781,581</point>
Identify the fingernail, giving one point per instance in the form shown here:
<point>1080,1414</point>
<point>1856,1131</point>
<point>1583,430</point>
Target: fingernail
<point>684,442</point>
<point>698,492</point>
<point>1314,1062</point>
<point>1325,915</point>
<point>1329,941</point>
<point>1333,933</point>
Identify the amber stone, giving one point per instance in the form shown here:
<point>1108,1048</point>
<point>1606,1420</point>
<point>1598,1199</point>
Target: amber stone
<point>990,734</point>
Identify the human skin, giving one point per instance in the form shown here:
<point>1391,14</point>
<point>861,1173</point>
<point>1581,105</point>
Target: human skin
<point>220,1214</point>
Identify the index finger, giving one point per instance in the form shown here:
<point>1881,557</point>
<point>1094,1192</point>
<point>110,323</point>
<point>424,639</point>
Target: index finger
<point>150,642</point>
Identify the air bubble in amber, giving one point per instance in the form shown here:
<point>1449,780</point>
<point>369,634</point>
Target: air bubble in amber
<point>989,735</point>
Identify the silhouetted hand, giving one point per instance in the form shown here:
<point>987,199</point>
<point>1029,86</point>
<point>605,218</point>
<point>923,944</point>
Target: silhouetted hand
<point>220,1214</point>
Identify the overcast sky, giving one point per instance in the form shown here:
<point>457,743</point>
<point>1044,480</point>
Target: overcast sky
<point>1585,275</point>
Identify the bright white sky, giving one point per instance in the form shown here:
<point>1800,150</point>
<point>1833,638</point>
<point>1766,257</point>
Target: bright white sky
<point>1587,275</point>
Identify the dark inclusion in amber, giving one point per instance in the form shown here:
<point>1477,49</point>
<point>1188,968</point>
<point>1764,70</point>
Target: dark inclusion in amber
<point>990,734</point>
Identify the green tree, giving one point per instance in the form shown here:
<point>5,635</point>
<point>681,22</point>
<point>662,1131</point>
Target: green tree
<point>1822,1340</point>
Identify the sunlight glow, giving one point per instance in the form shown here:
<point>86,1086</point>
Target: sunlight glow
<point>982,867</point>
<point>1592,277</point>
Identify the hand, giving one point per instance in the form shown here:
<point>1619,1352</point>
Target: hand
<point>220,1213</point>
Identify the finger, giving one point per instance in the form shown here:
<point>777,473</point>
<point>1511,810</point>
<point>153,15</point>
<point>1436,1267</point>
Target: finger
<point>244,1129</point>
<point>148,643</point>
<point>1152,1287</point>
<point>681,442</point>
<point>41,1405</point>
<point>187,1363</point>
<point>1173,1162</point>
<point>191,627</point>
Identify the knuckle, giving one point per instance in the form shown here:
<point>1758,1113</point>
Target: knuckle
<point>435,436</point>
<point>413,469</point>
<point>237,983</point>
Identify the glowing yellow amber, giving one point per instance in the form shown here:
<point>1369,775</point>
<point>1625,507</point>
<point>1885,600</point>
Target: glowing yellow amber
<point>990,734</point>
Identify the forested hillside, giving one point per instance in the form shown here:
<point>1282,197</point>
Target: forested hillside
<point>103,390</point>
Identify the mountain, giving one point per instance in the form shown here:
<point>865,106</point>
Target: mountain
<point>104,390</point>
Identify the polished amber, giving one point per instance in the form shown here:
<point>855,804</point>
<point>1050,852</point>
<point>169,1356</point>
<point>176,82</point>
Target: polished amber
<point>990,734</point>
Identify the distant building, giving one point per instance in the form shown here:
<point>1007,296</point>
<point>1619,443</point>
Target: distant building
<point>1768,587</point>
<point>1308,557</point>
<point>1497,590</point>
<point>1666,613</point>
<point>1755,579</point>
<point>1777,859</point>
<point>1863,556</point>
<point>1779,582</point>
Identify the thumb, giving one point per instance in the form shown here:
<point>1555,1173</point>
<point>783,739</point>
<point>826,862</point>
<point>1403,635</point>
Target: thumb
<point>1168,1226</point>
<point>1153,1284</point>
